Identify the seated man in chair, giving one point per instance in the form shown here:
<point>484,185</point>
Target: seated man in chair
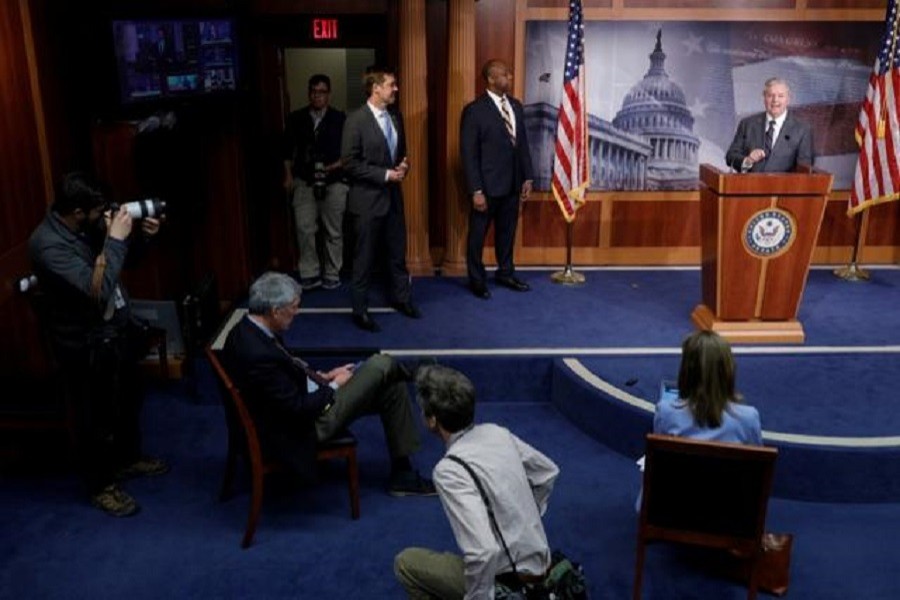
<point>295,406</point>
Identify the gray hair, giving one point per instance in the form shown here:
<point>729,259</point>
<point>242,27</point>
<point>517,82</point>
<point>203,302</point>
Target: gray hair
<point>272,290</point>
<point>773,81</point>
<point>447,395</point>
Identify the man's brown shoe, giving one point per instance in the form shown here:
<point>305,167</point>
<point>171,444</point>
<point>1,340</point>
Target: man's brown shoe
<point>115,502</point>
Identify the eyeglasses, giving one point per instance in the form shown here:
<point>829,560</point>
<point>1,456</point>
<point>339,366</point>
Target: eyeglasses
<point>319,92</point>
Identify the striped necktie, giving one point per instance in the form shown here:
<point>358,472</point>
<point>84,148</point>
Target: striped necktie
<point>302,365</point>
<point>770,137</point>
<point>507,119</point>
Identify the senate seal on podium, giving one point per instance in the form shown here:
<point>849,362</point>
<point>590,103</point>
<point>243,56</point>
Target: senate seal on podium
<point>769,233</point>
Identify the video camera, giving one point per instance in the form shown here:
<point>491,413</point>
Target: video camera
<point>139,209</point>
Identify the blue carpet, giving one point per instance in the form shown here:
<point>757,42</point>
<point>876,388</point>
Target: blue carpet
<point>185,544</point>
<point>826,395</point>
<point>615,308</point>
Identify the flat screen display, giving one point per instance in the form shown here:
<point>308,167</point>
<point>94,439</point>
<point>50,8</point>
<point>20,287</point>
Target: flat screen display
<point>170,58</point>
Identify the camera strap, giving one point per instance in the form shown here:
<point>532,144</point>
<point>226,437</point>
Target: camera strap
<point>490,510</point>
<point>97,274</point>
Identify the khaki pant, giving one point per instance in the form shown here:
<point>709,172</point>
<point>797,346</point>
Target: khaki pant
<point>307,212</point>
<point>376,388</point>
<point>429,575</point>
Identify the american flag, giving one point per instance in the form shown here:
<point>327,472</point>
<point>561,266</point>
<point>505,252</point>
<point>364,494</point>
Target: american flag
<point>877,176</point>
<point>570,171</point>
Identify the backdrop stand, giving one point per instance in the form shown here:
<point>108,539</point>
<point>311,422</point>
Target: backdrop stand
<point>568,276</point>
<point>853,272</point>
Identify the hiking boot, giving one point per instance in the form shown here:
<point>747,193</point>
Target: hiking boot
<point>144,467</point>
<point>115,502</point>
<point>410,483</point>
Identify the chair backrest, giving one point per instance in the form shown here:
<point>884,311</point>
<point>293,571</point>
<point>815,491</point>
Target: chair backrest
<point>240,423</point>
<point>30,288</point>
<point>712,494</point>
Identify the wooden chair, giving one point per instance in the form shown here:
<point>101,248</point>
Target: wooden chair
<point>710,494</point>
<point>243,440</point>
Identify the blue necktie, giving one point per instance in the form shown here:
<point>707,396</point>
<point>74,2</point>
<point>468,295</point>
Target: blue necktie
<point>389,134</point>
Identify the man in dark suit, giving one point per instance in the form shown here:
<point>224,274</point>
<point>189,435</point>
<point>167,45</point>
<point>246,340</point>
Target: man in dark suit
<point>774,141</point>
<point>497,164</point>
<point>294,406</point>
<point>374,154</point>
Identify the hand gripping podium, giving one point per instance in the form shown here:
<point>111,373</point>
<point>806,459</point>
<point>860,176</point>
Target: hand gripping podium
<point>758,234</point>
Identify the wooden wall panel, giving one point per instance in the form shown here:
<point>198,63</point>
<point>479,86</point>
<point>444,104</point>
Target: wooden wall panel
<point>436,26</point>
<point>722,4</point>
<point>846,4</point>
<point>883,228</point>
<point>543,225</point>
<point>21,172</point>
<point>837,229</point>
<point>23,183</point>
<point>565,4</point>
<point>495,36</point>
<point>655,223</point>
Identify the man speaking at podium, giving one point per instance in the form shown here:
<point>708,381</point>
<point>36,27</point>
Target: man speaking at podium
<point>774,141</point>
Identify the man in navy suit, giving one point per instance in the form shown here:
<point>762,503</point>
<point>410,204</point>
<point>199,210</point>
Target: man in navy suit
<point>497,164</point>
<point>374,154</point>
<point>294,406</point>
<point>774,141</point>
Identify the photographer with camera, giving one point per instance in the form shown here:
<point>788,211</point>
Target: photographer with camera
<point>314,178</point>
<point>77,253</point>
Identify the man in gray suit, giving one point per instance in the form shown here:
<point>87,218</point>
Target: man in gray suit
<point>374,152</point>
<point>774,141</point>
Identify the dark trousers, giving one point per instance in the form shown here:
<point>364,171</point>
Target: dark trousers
<point>105,390</point>
<point>503,211</point>
<point>372,234</point>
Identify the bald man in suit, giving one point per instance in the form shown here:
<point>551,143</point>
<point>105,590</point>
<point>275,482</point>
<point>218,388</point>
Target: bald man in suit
<point>374,154</point>
<point>497,163</point>
<point>791,139</point>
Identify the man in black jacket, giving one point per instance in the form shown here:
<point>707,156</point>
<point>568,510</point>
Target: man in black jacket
<point>294,406</point>
<point>497,163</point>
<point>313,176</point>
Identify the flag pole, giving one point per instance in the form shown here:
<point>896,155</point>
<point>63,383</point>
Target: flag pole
<point>568,276</point>
<point>852,272</point>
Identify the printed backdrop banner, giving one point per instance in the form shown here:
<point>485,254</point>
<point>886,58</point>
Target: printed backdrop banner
<point>665,97</point>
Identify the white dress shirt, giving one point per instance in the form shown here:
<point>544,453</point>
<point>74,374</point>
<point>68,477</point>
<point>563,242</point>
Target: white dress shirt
<point>509,108</point>
<point>518,481</point>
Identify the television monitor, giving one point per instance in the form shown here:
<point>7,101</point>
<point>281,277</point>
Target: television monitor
<point>171,58</point>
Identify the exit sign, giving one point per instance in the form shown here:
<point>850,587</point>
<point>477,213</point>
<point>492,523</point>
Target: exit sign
<point>325,29</point>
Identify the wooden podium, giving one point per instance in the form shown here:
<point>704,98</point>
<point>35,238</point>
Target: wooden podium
<point>758,234</point>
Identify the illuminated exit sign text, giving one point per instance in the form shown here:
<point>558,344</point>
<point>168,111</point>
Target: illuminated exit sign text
<point>325,29</point>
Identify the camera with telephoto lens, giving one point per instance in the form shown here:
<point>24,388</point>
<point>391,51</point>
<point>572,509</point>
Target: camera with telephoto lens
<point>139,209</point>
<point>319,180</point>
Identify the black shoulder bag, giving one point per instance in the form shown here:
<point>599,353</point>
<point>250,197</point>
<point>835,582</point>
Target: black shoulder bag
<point>564,579</point>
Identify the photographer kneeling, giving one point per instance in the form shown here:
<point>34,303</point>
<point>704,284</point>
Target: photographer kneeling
<point>77,253</point>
